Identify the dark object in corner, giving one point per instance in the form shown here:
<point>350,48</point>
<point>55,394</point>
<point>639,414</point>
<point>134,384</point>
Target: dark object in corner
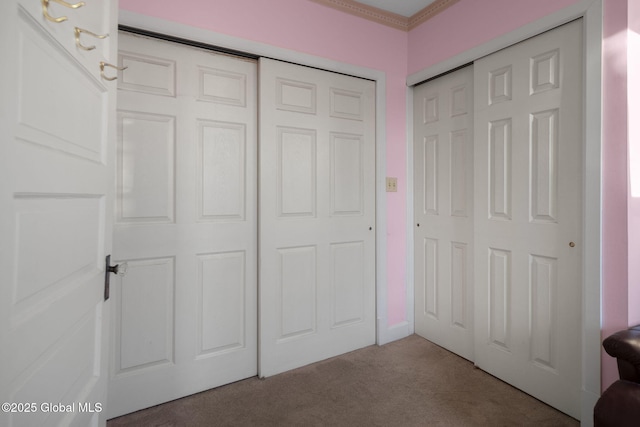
<point>619,405</point>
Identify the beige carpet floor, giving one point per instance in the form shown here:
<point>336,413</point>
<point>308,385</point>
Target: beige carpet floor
<point>410,382</point>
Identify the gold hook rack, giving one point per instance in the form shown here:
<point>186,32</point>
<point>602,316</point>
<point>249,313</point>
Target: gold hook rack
<point>45,9</point>
<point>106,64</point>
<point>77,31</point>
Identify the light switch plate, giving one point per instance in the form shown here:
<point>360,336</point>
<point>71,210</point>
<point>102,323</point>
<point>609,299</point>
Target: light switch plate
<point>392,184</point>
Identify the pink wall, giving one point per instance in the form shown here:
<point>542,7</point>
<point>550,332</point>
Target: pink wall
<point>615,223</point>
<point>633,102</point>
<point>443,36</point>
<point>314,29</point>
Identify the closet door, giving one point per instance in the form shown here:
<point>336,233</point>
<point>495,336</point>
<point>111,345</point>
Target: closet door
<point>56,165</point>
<point>443,211</point>
<point>185,314</point>
<point>317,237</point>
<point>528,215</point>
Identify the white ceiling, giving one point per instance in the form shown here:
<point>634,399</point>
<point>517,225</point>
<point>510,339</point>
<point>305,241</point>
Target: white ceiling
<point>401,7</point>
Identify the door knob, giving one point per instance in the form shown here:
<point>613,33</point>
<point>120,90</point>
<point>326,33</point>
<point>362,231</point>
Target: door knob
<point>119,269</point>
<point>571,244</point>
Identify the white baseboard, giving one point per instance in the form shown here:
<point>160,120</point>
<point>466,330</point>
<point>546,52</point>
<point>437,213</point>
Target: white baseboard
<point>589,400</point>
<point>394,333</point>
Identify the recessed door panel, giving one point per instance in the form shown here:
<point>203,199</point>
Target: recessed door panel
<point>460,285</point>
<point>298,291</point>
<point>544,166</point>
<point>348,282</point>
<point>148,74</point>
<point>146,168</point>
<point>146,336</point>
<point>347,174</point>
<point>222,171</point>
<point>223,87</point>
<point>223,294</point>
<point>297,171</point>
<point>500,294</point>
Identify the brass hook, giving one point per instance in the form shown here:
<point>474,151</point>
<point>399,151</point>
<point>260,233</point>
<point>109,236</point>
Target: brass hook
<point>78,31</point>
<point>45,9</point>
<point>45,12</point>
<point>69,5</point>
<point>105,64</point>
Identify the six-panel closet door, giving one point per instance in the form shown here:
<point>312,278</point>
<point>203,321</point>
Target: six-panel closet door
<point>525,277</point>
<point>443,211</point>
<point>185,315</point>
<point>528,215</point>
<point>317,215</point>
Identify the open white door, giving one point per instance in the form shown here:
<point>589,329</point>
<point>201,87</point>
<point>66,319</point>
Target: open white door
<point>528,216</point>
<point>317,215</point>
<point>443,211</point>
<point>56,157</point>
<point>185,315</point>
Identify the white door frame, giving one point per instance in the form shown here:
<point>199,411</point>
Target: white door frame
<point>384,334</point>
<point>592,12</point>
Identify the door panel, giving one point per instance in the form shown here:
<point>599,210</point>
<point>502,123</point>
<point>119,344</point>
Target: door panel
<point>443,200</point>
<point>185,318</point>
<point>147,336</point>
<point>317,243</point>
<point>528,216</point>
<point>56,119</point>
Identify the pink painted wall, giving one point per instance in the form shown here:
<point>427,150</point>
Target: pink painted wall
<point>633,103</point>
<point>441,38</point>
<point>615,223</point>
<point>470,23</point>
<point>314,29</point>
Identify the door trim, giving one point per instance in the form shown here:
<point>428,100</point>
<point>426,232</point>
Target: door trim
<point>592,13</point>
<point>384,333</point>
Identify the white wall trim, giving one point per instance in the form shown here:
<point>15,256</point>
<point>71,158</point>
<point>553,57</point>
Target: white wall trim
<point>384,334</point>
<point>410,298</point>
<point>592,226</point>
<point>397,332</point>
<point>592,12</point>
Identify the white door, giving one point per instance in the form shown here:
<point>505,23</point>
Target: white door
<point>317,190</point>
<point>185,314</point>
<point>56,157</point>
<point>528,216</point>
<point>443,211</point>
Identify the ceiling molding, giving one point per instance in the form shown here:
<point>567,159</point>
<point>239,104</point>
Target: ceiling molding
<point>368,12</point>
<point>429,12</point>
<point>384,17</point>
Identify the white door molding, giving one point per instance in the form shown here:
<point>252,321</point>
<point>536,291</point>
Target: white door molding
<point>592,13</point>
<point>384,333</point>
